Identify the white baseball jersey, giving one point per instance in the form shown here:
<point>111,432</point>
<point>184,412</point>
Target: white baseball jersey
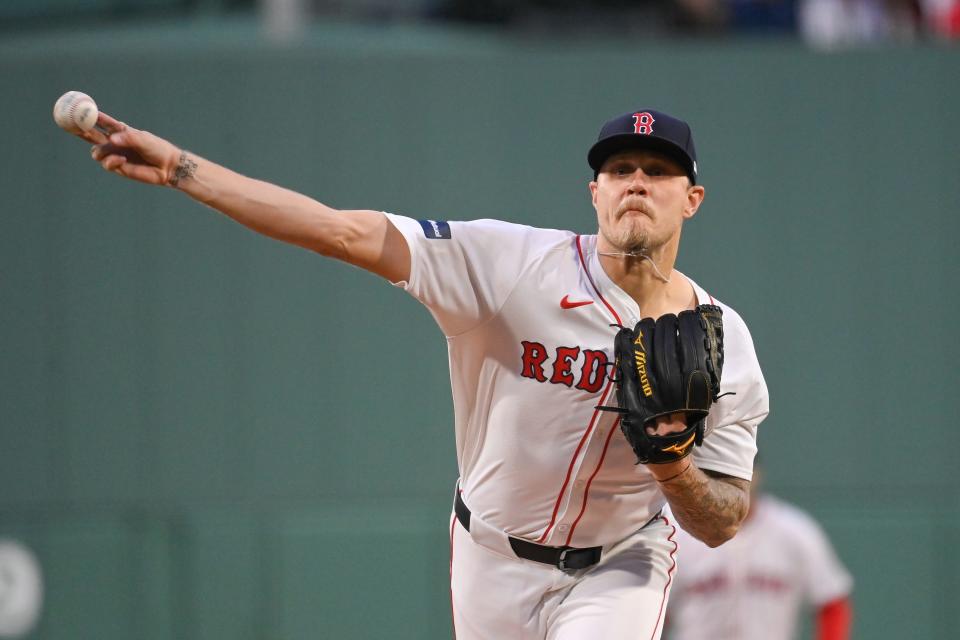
<point>527,313</point>
<point>755,586</point>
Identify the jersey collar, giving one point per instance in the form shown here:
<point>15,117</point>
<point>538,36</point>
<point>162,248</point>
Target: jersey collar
<point>626,306</point>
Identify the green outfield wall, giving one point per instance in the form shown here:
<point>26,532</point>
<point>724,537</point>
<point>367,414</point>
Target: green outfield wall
<point>205,434</point>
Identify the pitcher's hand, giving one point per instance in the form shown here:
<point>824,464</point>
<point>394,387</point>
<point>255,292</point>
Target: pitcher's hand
<point>132,153</point>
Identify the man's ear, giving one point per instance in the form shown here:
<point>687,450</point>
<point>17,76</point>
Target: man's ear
<point>695,196</point>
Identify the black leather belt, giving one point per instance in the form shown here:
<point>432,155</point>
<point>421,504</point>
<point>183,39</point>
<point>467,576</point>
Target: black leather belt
<point>566,558</point>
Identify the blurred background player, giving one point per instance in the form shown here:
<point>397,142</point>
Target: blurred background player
<point>758,585</point>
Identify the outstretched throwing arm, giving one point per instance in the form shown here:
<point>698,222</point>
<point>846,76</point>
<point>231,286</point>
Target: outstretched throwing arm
<point>363,238</point>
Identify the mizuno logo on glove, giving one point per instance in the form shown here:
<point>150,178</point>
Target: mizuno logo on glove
<point>667,366</point>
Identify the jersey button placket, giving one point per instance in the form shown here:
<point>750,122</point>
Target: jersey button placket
<point>578,493</point>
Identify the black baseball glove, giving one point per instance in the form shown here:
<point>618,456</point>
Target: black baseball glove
<point>671,365</point>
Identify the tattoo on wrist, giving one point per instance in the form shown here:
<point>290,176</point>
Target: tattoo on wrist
<point>709,506</point>
<point>186,168</point>
<point>676,475</point>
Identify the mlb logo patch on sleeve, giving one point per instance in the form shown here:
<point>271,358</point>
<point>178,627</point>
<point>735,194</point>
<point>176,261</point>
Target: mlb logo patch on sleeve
<point>435,229</point>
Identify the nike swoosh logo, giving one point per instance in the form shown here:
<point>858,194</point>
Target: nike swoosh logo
<point>566,303</point>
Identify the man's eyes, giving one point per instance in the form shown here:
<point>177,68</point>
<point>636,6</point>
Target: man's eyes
<point>651,170</point>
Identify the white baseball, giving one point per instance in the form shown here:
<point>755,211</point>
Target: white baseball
<point>75,111</point>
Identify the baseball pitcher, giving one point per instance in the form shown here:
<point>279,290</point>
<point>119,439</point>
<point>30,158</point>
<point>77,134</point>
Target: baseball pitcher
<point>593,383</point>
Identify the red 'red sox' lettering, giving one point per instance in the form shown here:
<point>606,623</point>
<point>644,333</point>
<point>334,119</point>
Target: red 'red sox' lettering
<point>594,370</point>
<point>534,355</point>
<point>564,370</point>
<point>562,365</point>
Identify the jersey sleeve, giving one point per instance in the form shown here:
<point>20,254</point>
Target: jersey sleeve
<point>730,443</point>
<point>464,271</point>
<point>825,577</point>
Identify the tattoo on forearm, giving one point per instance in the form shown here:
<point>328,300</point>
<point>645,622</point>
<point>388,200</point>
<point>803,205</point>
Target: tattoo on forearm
<point>710,508</point>
<point>186,168</point>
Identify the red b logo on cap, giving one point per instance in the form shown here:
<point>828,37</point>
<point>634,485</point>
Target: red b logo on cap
<point>643,123</point>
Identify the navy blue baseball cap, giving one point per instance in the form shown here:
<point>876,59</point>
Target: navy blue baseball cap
<point>646,129</point>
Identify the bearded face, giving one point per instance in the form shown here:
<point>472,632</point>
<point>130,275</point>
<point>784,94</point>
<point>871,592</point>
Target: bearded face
<point>641,198</point>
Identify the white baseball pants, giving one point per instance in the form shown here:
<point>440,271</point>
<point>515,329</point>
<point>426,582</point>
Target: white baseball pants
<point>624,596</point>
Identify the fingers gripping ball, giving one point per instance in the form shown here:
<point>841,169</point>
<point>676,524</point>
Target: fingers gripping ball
<point>75,111</point>
<point>664,367</point>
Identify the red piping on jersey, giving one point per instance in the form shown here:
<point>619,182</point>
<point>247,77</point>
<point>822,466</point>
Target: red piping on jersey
<point>593,420</point>
<point>576,454</point>
<point>666,587</point>
<point>586,491</point>
<point>593,284</point>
